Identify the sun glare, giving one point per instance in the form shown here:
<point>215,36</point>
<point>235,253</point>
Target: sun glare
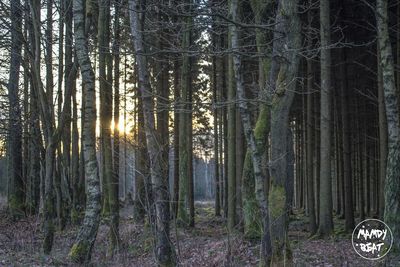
<point>120,127</point>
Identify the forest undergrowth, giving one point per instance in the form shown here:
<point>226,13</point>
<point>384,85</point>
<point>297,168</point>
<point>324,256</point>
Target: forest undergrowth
<point>207,244</point>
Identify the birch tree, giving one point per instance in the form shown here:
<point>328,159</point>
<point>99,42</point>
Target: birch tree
<point>82,248</point>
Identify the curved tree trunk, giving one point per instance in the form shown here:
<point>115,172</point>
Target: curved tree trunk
<point>81,250</point>
<point>285,62</point>
<point>251,214</point>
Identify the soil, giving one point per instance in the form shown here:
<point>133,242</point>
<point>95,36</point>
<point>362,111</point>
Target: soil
<point>207,244</point>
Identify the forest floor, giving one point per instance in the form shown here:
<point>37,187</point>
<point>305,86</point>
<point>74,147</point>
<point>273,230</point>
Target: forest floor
<point>208,244</point>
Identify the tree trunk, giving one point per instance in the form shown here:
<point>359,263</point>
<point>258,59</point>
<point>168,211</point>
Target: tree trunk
<point>392,182</point>
<point>66,168</point>
<point>114,186</point>
<point>34,153</point>
<point>176,139</point>
<point>105,104</point>
<point>15,178</point>
<point>310,147</point>
<point>142,168</point>
<point>81,250</point>
<point>163,251</point>
<point>251,209</point>
<point>191,169</point>
<point>77,187</point>
<point>231,140</point>
<point>216,138</point>
<point>317,152</point>
<point>282,83</point>
<point>325,212</point>
<point>162,89</point>
<point>383,139</point>
<point>346,141</point>
<point>282,104</point>
<point>184,157</point>
<point>110,193</point>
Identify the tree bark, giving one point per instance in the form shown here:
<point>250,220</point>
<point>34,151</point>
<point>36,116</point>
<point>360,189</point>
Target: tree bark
<point>325,212</point>
<point>310,147</point>
<point>216,137</point>
<point>184,157</point>
<point>114,187</point>
<point>392,182</point>
<point>346,141</point>
<point>251,209</point>
<point>142,168</point>
<point>285,62</point>
<point>15,178</point>
<point>162,89</point>
<point>176,139</point>
<point>163,248</point>
<point>383,139</point>
<point>82,248</point>
<point>231,137</point>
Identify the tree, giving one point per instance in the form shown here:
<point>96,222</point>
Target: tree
<point>114,185</point>
<point>162,89</point>
<point>143,192</point>
<point>231,138</point>
<point>163,250</point>
<point>251,216</point>
<point>184,124</point>
<point>52,134</point>
<point>282,82</point>
<point>14,151</point>
<point>310,148</point>
<point>216,141</point>
<point>105,102</point>
<point>82,248</point>
<point>325,208</point>
<point>348,187</point>
<point>383,139</point>
<point>245,115</point>
<point>175,198</point>
<point>392,181</point>
<point>110,196</point>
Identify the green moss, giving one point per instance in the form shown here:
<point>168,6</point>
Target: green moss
<point>183,217</point>
<point>252,219</point>
<point>266,66</point>
<point>277,200</point>
<point>78,252</point>
<point>262,125</point>
<point>74,216</point>
<point>251,212</point>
